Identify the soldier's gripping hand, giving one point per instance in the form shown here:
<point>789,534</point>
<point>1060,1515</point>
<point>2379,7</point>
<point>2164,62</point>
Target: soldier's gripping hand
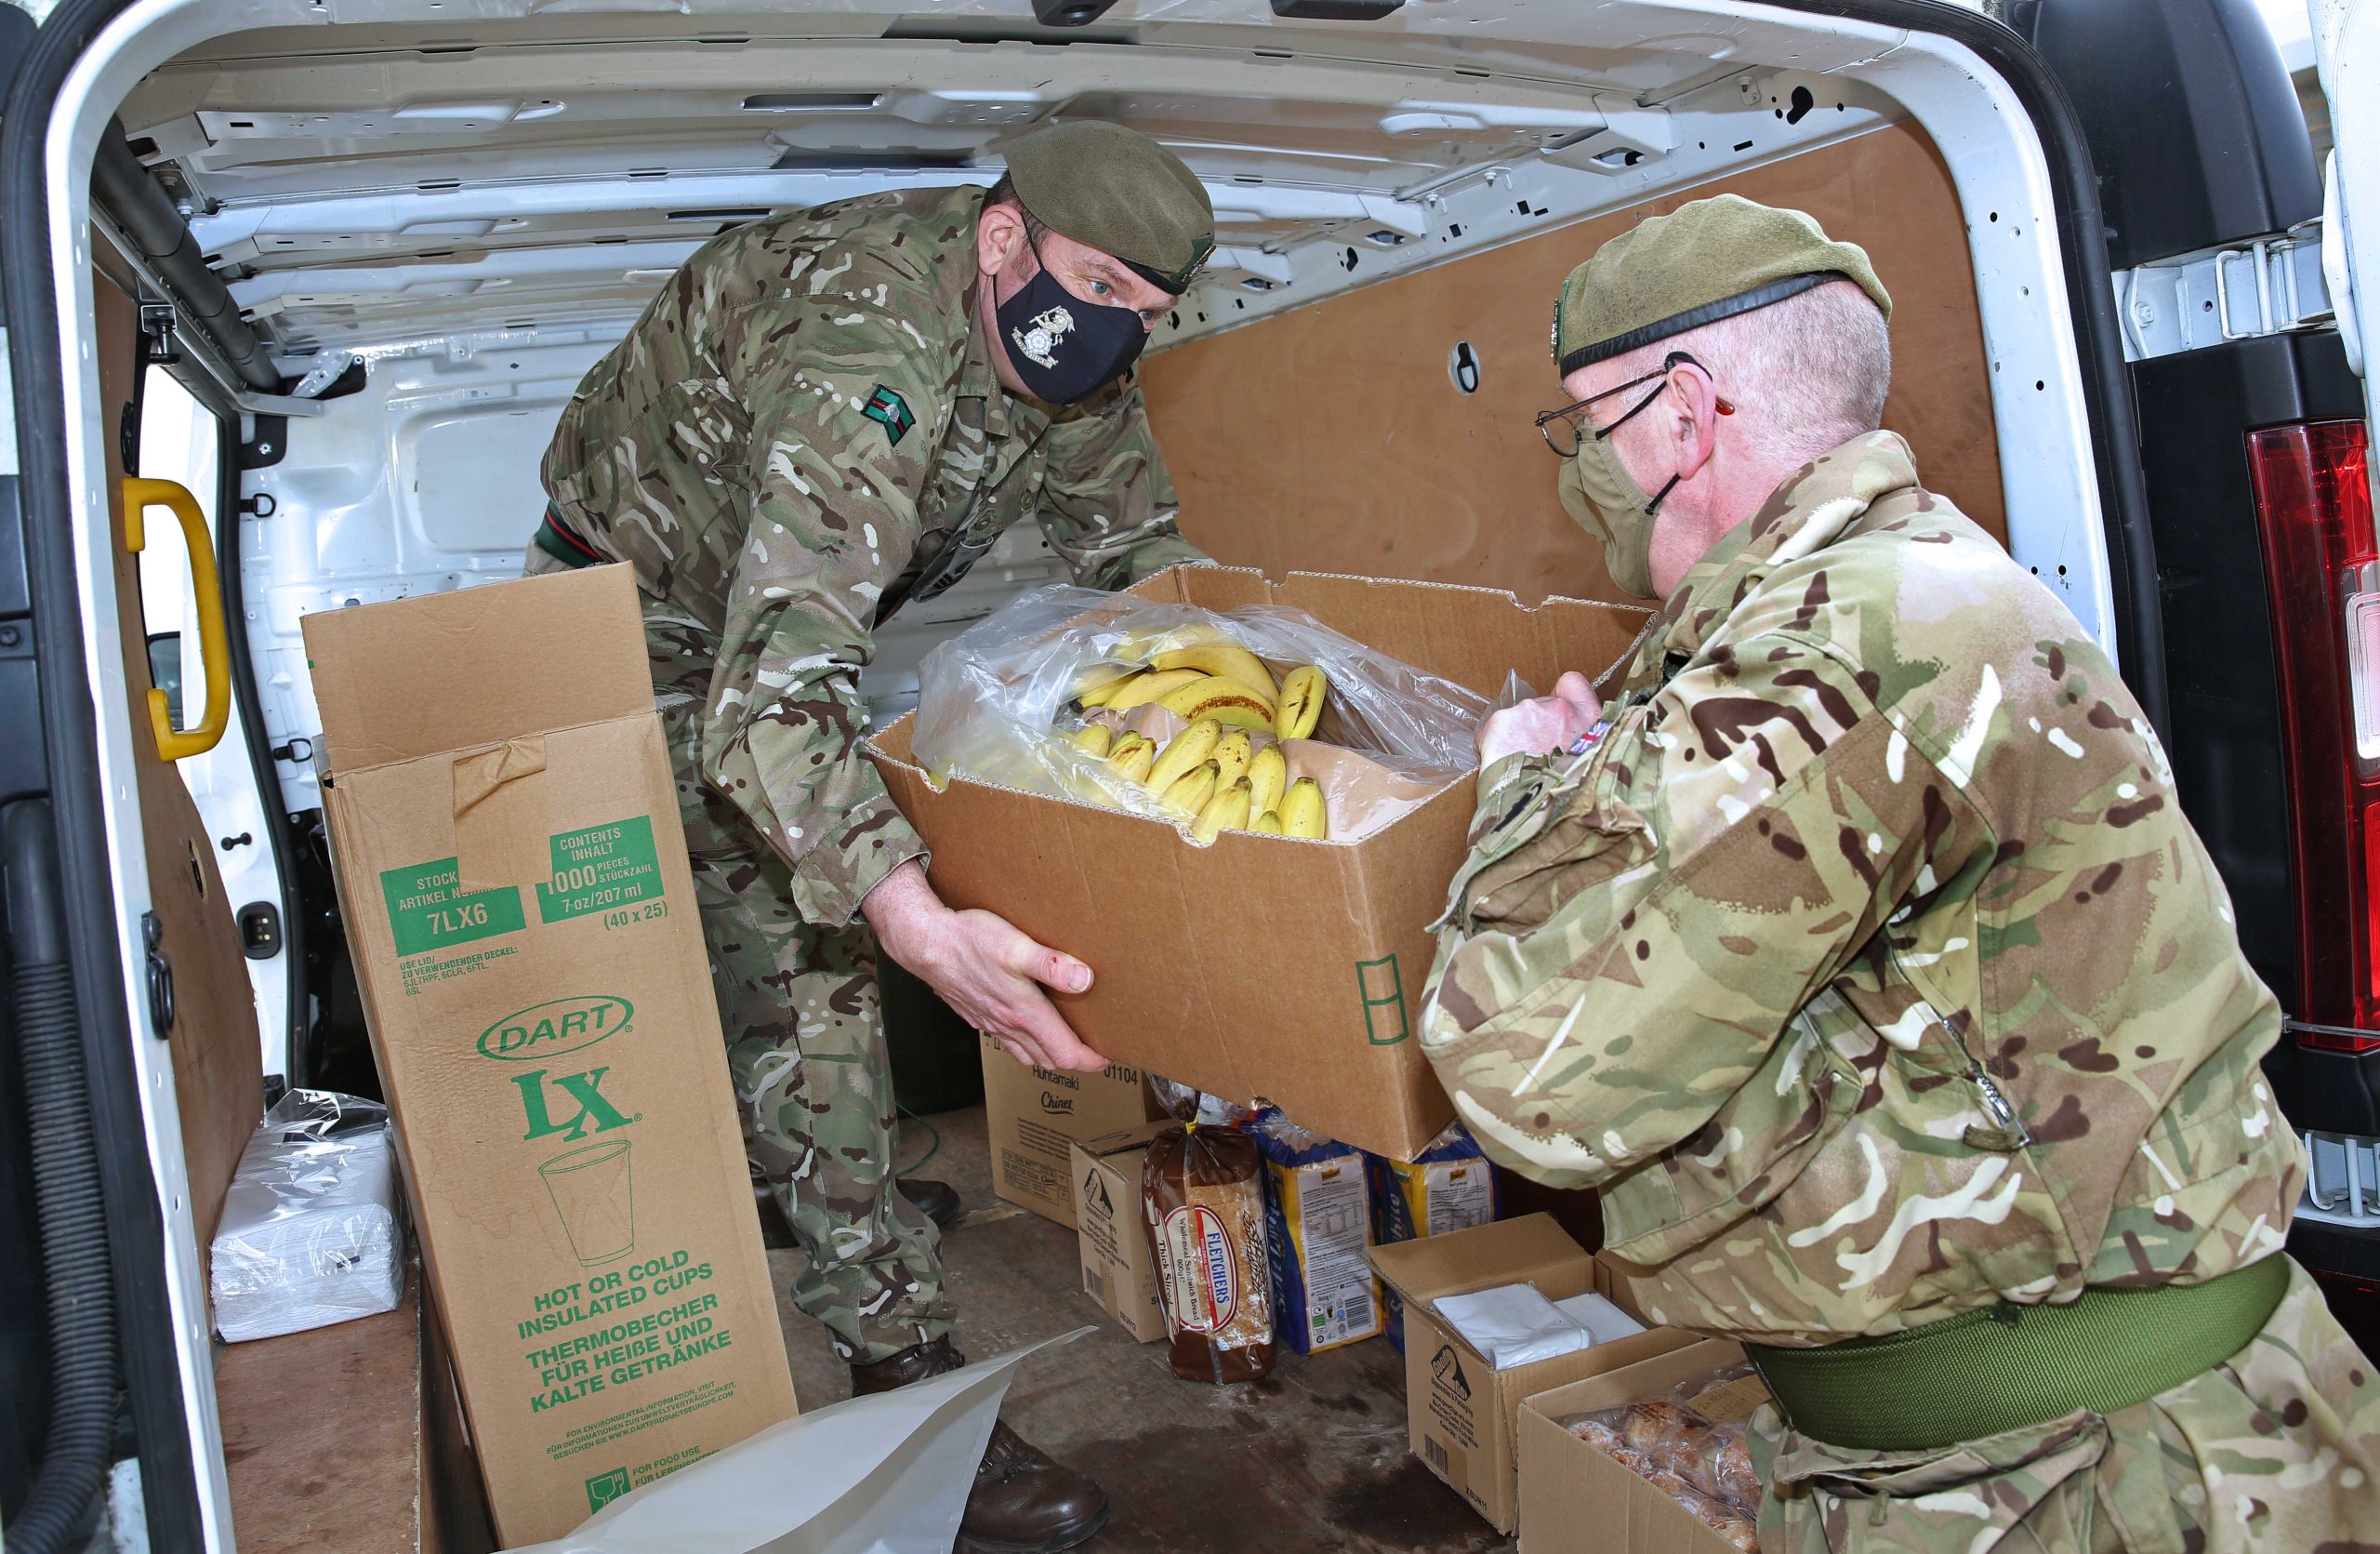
<point>1549,724</point>
<point>984,968</point>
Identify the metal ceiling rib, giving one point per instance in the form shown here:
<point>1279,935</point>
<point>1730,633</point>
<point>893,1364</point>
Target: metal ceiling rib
<point>374,181</point>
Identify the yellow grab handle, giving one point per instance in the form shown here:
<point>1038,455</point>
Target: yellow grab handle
<point>212,640</point>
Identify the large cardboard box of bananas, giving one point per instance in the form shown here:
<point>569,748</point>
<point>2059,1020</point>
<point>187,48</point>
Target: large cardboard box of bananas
<point>1261,968</point>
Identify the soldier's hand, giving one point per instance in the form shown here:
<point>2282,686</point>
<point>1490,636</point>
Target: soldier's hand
<point>1549,724</point>
<point>985,968</point>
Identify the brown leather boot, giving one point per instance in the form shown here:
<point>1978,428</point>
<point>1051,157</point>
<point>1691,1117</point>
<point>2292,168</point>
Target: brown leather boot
<point>1022,1503</point>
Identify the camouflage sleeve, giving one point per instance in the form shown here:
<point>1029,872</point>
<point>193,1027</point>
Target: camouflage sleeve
<point>1634,929</point>
<point>836,460</point>
<point>1108,504</point>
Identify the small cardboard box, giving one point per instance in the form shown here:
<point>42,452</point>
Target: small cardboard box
<point>1575,1499</point>
<point>1036,1116</point>
<point>1259,968</point>
<point>505,831</point>
<point>1462,1412</point>
<point>1118,1272</point>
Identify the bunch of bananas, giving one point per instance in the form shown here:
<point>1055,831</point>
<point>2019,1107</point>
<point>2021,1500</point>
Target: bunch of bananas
<point>1214,774</point>
<point>1221,782</point>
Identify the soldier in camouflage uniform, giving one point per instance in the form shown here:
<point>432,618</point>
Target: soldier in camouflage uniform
<point>823,416</point>
<point>1858,951</point>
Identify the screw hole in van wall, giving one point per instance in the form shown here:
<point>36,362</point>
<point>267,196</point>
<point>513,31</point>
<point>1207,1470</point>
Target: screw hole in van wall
<point>1463,367</point>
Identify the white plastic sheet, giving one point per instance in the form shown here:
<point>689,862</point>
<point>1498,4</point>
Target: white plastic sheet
<point>886,1474</point>
<point>1513,1325</point>
<point>308,1234</point>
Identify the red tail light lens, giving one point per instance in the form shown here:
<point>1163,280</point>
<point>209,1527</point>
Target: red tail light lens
<point>2323,568</point>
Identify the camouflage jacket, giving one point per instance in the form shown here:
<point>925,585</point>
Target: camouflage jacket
<point>1868,963</point>
<point>798,426</point>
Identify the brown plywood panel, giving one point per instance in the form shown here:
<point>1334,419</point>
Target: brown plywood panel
<point>1331,439</point>
<point>323,1436</point>
<point>218,1066</point>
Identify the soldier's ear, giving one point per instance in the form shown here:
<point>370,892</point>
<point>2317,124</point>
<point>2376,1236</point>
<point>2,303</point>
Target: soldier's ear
<point>999,237</point>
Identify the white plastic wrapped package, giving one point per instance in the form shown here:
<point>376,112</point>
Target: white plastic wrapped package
<point>1513,1325</point>
<point>995,704</point>
<point>308,1235</point>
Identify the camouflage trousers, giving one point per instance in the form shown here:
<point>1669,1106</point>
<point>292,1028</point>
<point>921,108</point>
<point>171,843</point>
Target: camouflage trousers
<point>2276,1450</point>
<point>805,1049</point>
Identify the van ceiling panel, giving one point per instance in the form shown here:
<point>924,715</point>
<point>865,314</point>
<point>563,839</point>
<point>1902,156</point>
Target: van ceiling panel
<point>361,183</point>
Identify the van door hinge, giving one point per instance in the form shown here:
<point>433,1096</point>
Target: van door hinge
<point>2271,286</point>
<point>161,975</point>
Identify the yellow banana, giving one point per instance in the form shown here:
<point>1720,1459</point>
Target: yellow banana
<point>1094,688</point>
<point>1226,659</point>
<point>1190,794</point>
<point>1268,822</point>
<point>1268,776</point>
<point>1132,757</point>
<point>1226,700</point>
<point>1302,810</point>
<point>1094,739</point>
<point>1150,687</point>
<point>1301,706</point>
<point>1227,811</point>
<point>1186,749</point>
<point>1232,755</point>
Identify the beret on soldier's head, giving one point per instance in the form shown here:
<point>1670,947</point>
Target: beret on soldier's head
<point>1117,191</point>
<point>1702,262</point>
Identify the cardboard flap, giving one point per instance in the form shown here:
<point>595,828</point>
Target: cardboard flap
<point>447,671</point>
<point>1124,1140</point>
<point>500,816</point>
<point>1508,1252</point>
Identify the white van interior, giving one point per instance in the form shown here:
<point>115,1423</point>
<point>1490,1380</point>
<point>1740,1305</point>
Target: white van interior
<point>433,216</point>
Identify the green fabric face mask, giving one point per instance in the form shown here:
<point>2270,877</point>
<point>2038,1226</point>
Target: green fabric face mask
<point>1598,492</point>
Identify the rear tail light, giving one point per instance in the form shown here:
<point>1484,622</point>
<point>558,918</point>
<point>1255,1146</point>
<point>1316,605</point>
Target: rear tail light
<point>2323,569</point>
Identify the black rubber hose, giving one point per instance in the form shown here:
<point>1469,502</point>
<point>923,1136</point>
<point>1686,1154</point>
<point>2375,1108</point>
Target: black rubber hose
<point>56,1518</point>
<point>130,193</point>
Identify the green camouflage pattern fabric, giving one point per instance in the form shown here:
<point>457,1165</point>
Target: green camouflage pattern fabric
<point>800,424</point>
<point>1867,965</point>
<point>803,1021</point>
<point>2275,1451</point>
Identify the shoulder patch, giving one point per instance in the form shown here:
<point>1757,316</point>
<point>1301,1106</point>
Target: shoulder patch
<point>887,408</point>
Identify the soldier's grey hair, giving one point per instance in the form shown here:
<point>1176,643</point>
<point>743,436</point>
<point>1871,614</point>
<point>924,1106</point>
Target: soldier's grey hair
<point>1804,375</point>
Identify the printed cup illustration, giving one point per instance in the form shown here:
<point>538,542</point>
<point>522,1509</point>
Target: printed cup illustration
<point>593,1197</point>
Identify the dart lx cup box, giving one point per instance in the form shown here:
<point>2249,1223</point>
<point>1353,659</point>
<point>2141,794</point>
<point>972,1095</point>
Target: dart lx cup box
<point>504,831</point>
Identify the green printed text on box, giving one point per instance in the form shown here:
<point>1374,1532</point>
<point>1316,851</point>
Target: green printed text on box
<point>428,908</point>
<point>601,867</point>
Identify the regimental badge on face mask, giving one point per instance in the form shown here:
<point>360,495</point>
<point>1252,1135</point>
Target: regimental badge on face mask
<point>1040,340</point>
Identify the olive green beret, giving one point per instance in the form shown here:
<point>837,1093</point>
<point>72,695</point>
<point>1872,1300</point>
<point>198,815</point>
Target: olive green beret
<point>1121,192</point>
<point>1704,262</point>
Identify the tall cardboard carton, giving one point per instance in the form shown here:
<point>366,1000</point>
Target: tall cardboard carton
<point>1260,968</point>
<point>1036,1115</point>
<point>505,830</point>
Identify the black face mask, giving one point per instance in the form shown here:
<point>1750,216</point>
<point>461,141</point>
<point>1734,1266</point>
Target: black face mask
<point>1064,348</point>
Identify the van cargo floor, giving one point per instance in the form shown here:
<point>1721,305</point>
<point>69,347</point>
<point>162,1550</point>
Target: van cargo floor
<point>1311,1458</point>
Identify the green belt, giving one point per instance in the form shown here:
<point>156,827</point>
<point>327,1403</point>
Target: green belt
<point>1985,1372</point>
<point>561,544</point>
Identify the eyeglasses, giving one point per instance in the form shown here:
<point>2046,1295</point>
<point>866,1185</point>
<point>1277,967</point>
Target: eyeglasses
<point>1565,429</point>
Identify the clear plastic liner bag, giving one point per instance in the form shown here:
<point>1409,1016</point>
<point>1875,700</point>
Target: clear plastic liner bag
<point>309,1234</point>
<point>998,702</point>
<point>1696,1438</point>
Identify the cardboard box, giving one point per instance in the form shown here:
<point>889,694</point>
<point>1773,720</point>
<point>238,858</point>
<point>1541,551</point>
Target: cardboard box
<point>1194,982</point>
<point>1462,1411</point>
<point>1575,1499</point>
<point>1118,1272</point>
<point>514,880</point>
<point>1036,1116</point>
